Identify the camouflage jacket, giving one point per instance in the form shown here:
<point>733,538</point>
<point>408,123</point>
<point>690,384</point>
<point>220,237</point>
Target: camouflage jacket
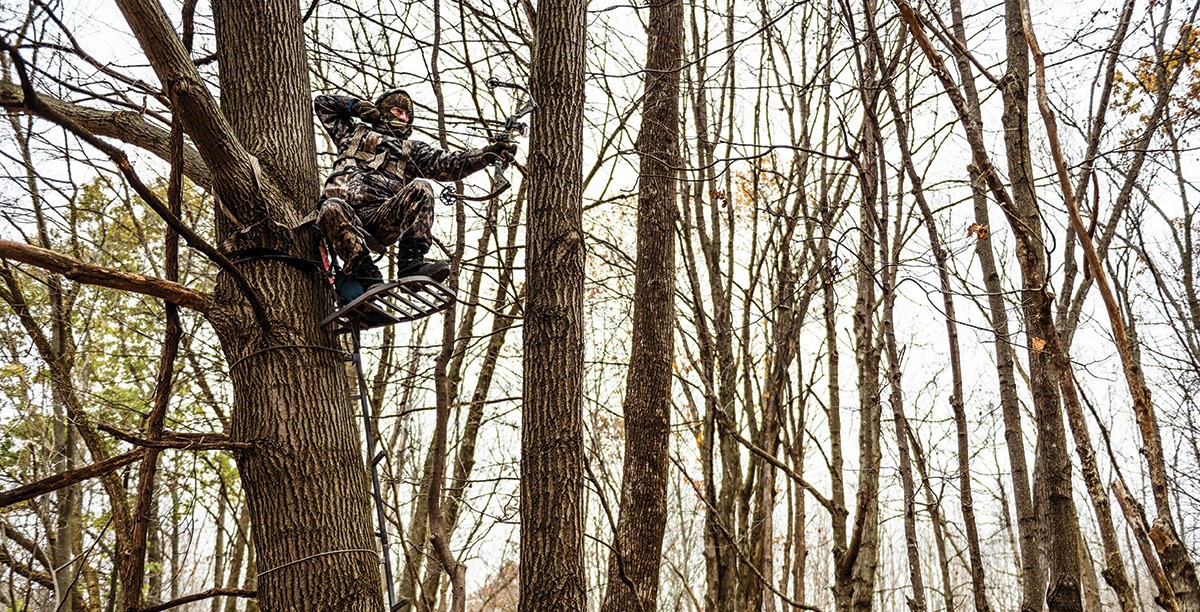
<point>382,163</point>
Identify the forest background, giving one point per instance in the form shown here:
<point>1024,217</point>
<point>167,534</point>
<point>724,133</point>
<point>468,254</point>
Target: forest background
<point>885,250</point>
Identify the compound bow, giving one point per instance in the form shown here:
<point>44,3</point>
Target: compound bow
<point>513,127</point>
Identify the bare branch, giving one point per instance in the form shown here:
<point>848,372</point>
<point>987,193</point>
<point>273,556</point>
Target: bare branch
<point>8,532</point>
<point>186,599</point>
<point>68,478</point>
<point>783,467</point>
<point>236,171</point>
<point>151,199</point>
<point>126,126</point>
<point>90,274</point>
<point>41,578</point>
<point>182,441</point>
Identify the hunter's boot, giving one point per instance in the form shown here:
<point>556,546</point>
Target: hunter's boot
<point>410,261</point>
<point>358,276</point>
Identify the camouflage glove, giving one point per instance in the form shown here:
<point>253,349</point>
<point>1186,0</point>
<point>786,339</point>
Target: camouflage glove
<point>500,151</point>
<point>366,111</point>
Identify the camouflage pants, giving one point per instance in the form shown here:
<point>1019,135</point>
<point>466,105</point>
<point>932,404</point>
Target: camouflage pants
<point>360,222</point>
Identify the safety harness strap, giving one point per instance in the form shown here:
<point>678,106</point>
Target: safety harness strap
<point>256,253</point>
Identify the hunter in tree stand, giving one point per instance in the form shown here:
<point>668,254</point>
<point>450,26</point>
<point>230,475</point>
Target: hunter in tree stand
<point>380,192</point>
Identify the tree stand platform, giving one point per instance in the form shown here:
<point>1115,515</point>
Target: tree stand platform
<point>406,299</point>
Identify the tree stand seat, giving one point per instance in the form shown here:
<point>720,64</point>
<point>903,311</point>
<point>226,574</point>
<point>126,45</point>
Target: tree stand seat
<point>407,299</point>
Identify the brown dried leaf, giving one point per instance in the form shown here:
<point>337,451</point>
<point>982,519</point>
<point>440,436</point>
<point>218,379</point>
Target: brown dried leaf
<point>980,231</point>
<point>1038,344</point>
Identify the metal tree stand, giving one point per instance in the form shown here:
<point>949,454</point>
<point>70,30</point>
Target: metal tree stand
<point>407,299</point>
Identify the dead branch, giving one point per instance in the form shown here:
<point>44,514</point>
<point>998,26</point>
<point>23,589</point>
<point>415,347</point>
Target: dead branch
<point>186,599</point>
<point>68,478</point>
<point>1137,523</point>
<point>90,274</point>
<point>182,441</point>
<point>9,533</point>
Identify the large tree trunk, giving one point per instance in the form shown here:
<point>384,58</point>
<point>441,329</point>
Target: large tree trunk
<point>552,576</point>
<point>634,565</point>
<point>305,482</point>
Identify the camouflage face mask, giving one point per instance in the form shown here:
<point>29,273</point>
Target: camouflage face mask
<point>395,111</point>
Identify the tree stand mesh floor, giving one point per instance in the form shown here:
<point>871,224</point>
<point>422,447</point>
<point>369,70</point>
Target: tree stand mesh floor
<point>407,299</point>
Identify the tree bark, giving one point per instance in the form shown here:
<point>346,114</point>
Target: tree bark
<point>714,335</point>
<point>916,603</point>
<point>633,568</point>
<point>552,573</point>
<point>1135,517</point>
<point>305,482</point>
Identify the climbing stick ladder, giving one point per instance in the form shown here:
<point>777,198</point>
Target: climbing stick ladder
<point>407,299</point>
<point>373,459</point>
